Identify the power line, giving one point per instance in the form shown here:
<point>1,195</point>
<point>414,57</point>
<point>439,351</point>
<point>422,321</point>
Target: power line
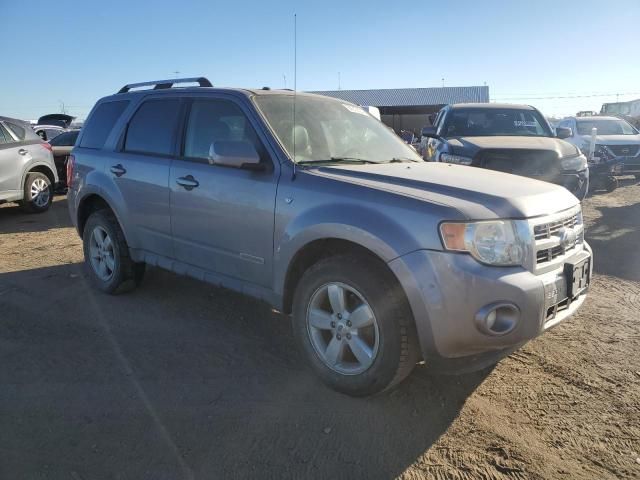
<point>617,95</point>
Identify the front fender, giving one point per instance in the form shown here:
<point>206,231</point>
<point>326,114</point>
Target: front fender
<point>353,223</point>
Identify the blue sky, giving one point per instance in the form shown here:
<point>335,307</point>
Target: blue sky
<point>77,51</point>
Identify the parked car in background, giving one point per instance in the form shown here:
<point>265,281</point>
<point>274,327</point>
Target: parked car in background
<point>617,141</point>
<point>514,139</point>
<point>51,125</point>
<point>27,171</point>
<point>329,216</point>
<point>61,147</point>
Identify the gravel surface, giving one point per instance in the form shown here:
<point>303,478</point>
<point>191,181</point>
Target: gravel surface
<point>182,380</point>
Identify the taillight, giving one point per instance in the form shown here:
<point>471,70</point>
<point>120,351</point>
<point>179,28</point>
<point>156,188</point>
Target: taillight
<point>46,146</point>
<point>70,161</point>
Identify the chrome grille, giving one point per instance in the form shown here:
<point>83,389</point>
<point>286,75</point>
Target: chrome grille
<point>546,230</point>
<point>548,238</point>
<point>624,150</point>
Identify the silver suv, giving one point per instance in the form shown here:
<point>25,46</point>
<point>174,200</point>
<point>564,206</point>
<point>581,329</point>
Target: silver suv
<point>27,172</point>
<point>316,207</point>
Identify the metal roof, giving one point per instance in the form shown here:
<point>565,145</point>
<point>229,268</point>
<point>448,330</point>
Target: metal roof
<point>405,97</point>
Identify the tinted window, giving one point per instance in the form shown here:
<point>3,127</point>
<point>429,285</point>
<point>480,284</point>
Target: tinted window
<point>4,136</point>
<point>66,139</point>
<point>212,121</point>
<point>17,129</point>
<point>152,128</point>
<point>101,123</point>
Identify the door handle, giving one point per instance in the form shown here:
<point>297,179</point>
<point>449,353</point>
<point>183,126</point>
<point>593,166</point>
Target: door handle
<point>22,151</point>
<point>188,182</point>
<point>118,170</point>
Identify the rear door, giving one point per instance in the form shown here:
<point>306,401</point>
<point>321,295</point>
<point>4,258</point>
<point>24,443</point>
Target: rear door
<point>140,171</point>
<point>10,163</point>
<point>224,221</point>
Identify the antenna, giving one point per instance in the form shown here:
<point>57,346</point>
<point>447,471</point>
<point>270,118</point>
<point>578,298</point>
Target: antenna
<point>284,77</point>
<point>295,85</point>
<point>339,81</point>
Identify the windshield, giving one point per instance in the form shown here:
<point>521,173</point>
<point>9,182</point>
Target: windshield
<point>329,130</point>
<point>606,126</point>
<point>495,121</point>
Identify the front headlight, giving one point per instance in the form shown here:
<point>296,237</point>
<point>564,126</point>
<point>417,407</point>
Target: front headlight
<point>578,163</point>
<point>459,159</point>
<point>495,242</point>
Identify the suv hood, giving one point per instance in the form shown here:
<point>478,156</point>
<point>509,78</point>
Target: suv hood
<point>469,146</point>
<point>477,193</point>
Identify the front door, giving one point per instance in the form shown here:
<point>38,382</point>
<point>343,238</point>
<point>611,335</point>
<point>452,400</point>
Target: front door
<point>222,218</point>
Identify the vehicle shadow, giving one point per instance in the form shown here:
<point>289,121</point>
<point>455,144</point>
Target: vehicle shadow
<point>13,219</point>
<point>182,380</point>
<point>615,236</point>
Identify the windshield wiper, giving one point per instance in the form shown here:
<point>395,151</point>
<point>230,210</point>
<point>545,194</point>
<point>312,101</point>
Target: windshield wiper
<point>336,159</point>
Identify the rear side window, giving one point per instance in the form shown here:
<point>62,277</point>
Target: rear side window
<point>17,129</point>
<point>101,123</point>
<point>67,139</point>
<point>152,128</point>
<point>5,137</point>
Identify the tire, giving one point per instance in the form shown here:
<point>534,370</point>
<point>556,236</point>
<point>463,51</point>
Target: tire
<point>38,193</point>
<point>364,283</point>
<point>104,244</point>
<point>611,184</point>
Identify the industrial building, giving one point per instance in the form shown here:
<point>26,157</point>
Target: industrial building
<point>409,108</point>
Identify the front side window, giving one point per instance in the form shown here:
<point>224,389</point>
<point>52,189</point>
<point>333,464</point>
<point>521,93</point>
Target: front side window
<point>212,121</point>
<point>51,133</point>
<point>609,126</point>
<point>495,122</point>
<point>152,128</point>
<point>328,130</point>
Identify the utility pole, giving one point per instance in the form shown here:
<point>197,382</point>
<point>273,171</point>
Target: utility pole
<point>63,109</point>
<point>339,86</point>
<point>443,83</point>
<point>176,73</point>
<point>284,77</point>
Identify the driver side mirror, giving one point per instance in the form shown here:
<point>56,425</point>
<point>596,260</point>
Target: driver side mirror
<point>430,132</point>
<point>236,154</point>
<point>564,132</point>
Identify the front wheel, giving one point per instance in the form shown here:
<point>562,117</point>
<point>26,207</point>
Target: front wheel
<point>354,325</point>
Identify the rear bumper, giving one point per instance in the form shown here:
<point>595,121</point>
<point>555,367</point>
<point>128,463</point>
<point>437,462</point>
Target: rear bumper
<point>446,291</point>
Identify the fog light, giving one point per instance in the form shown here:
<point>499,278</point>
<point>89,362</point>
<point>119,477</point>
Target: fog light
<point>497,318</point>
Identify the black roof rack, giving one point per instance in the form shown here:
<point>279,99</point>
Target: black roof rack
<point>162,84</point>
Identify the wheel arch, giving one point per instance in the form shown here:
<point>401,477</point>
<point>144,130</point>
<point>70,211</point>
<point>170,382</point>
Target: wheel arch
<point>92,203</point>
<point>317,250</point>
<point>39,168</point>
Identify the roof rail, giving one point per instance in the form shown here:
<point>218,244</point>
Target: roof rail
<point>169,83</point>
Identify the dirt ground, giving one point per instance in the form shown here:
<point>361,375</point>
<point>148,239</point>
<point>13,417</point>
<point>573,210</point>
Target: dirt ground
<point>181,380</point>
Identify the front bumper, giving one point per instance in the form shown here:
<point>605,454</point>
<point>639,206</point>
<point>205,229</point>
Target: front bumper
<point>447,290</point>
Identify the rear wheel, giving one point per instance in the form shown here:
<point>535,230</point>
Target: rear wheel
<point>106,255</point>
<point>354,326</point>
<point>38,193</point>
